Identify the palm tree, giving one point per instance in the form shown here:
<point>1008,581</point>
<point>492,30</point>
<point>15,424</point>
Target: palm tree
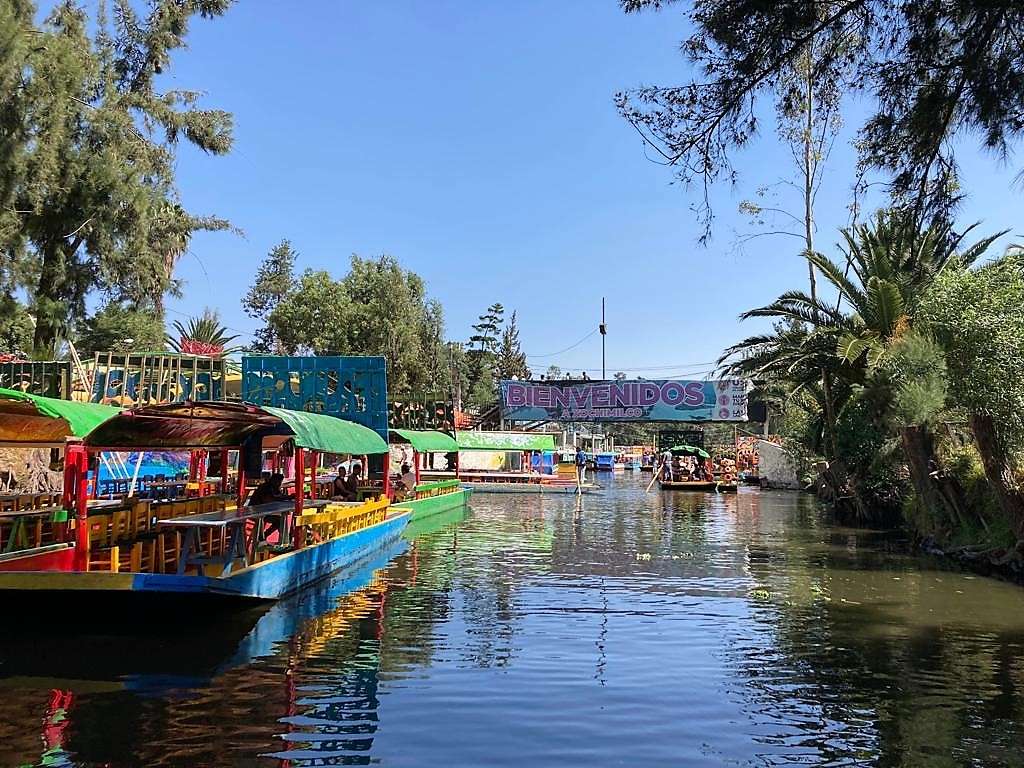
<point>888,268</point>
<point>203,335</point>
<point>832,351</point>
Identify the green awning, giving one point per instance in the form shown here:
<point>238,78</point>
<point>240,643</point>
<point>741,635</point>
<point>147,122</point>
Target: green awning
<point>33,420</point>
<point>180,426</point>
<point>689,450</point>
<point>504,441</point>
<point>329,433</point>
<point>425,441</point>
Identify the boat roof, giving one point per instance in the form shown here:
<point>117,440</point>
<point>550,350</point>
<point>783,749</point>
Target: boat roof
<point>504,441</point>
<point>424,441</point>
<point>690,450</point>
<point>28,420</point>
<point>180,426</point>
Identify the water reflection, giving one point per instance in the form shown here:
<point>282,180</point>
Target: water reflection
<point>626,628</point>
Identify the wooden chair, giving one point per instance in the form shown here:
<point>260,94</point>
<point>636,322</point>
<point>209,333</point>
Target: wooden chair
<point>168,549</point>
<point>99,531</point>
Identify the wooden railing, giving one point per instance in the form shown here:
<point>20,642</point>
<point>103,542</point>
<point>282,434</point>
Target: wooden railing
<point>439,488</point>
<point>340,518</point>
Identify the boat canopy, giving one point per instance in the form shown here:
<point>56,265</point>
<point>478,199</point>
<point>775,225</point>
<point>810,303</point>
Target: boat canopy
<point>34,421</point>
<point>689,450</point>
<point>181,426</point>
<point>424,441</point>
<point>504,441</point>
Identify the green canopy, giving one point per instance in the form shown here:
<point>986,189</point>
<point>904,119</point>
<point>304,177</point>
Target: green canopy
<point>425,441</point>
<point>27,419</point>
<point>689,450</point>
<point>504,441</point>
<point>329,433</point>
<point>180,426</point>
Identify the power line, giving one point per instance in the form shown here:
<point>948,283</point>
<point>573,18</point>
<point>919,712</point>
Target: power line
<point>555,354</point>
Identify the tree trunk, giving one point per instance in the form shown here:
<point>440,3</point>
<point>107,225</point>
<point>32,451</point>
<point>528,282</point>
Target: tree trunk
<point>934,494</point>
<point>810,170</point>
<point>831,447</point>
<point>50,314</point>
<point>999,470</point>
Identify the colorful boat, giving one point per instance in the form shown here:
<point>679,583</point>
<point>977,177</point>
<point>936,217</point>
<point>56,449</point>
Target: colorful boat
<point>134,558</point>
<point>682,481</point>
<point>441,490</point>
<point>492,462</point>
<point>605,462</point>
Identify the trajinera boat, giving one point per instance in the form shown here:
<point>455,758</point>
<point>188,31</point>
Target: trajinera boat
<point>132,556</point>
<point>434,490</point>
<point>499,462</point>
<point>671,478</point>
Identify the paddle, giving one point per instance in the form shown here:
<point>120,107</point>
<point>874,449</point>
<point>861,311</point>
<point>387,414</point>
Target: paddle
<point>657,474</point>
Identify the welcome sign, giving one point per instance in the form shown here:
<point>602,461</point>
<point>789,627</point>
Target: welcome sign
<point>660,400</point>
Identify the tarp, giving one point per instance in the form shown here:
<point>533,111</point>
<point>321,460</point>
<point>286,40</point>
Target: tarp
<point>689,450</point>
<point>427,441</point>
<point>328,433</point>
<point>177,426</point>
<point>504,441</point>
<point>28,419</point>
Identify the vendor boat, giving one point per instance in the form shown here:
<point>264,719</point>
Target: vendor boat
<point>128,557</point>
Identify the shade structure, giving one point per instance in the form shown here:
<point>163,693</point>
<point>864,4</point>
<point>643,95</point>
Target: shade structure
<point>33,420</point>
<point>186,425</point>
<point>425,441</point>
<point>689,450</point>
<point>504,441</point>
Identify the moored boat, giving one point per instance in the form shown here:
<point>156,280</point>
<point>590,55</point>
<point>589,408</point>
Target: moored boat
<point>433,491</point>
<point>131,558</point>
<point>494,463</point>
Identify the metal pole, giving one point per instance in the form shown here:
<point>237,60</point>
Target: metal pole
<point>604,332</point>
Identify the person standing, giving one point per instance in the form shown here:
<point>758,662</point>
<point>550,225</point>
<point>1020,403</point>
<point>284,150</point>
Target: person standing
<point>581,469</point>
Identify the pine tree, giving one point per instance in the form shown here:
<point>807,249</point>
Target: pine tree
<point>482,356</point>
<point>511,360</point>
<point>275,279</point>
<point>92,173</point>
<point>486,336</point>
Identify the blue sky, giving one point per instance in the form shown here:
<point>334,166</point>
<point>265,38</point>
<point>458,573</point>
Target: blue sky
<point>478,143</point>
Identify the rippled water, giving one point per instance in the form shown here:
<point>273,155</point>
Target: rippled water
<point>641,629</point>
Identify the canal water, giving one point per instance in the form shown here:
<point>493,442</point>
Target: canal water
<point>634,629</point>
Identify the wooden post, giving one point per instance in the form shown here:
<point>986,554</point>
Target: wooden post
<point>224,470</point>
<point>416,462</point>
<point>314,466</point>
<point>241,481</point>
<point>300,472</point>
<point>81,500</point>
<point>387,474</point>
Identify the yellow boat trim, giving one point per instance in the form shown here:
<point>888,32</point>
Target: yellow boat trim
<point>70,580</point>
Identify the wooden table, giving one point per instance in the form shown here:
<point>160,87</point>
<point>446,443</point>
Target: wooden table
<point>232,520</point>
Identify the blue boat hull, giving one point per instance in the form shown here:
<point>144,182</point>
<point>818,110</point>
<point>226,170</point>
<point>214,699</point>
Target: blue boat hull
<point>141,597</point>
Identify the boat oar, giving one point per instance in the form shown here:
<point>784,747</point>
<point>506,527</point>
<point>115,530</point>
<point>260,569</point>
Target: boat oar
<point>657,474</point>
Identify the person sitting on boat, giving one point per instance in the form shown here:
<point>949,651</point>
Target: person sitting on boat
<point>339,491</point>
<point>269,490</point>
<point>697,472</point>
<point>352,481</point>
<point>408,480</point>
<point>677,469</point>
